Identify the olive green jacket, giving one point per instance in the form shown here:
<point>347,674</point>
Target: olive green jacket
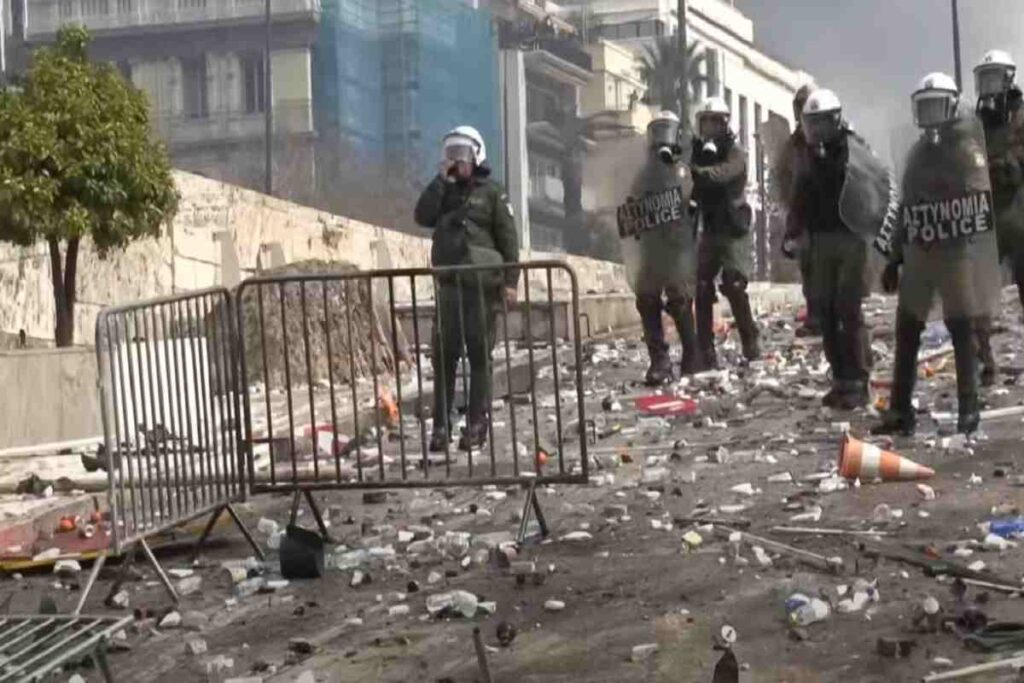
<point>473,224</point>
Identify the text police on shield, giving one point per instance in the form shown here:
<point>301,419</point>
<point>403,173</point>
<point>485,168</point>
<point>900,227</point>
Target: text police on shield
<point>654,209</point>
<point>948,220</point>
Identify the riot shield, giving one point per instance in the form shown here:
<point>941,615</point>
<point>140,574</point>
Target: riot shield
<point>946,225</point>
<point>781,158</point>
<point>657,230</point>
<point>869,198</point>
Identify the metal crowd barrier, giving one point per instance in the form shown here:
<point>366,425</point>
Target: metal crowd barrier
<point>339,375</point>
<point>326,381</point>
<point>170,410</point>
<point>33,647</point>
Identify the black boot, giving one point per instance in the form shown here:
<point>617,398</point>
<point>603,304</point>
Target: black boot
<point>681,311</point>
<point>474,436</point>
<point>834,395</point>
<point>900,418</point>
<point>660,369</point>
<point>741,312</point>
<point>966,355</point>
<point>983,335</point>
<point>439,440</point>
<point>705,317</point>
<point>855,395</point>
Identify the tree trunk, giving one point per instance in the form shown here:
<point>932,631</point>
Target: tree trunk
<point>572,201</point>
<point>63,272</point>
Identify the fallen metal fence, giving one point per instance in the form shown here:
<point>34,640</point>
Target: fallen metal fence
<point>31,647</point>
<point>341,372</point>
<point>170,410</point>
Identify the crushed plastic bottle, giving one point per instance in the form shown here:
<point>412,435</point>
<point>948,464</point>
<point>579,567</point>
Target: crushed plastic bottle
<point>804,611</point>
<point>1008,528</point>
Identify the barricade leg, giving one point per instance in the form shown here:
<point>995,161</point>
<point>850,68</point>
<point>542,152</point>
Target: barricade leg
<point>97,567</point>
<point>159,571</point>
<point>531,504</point>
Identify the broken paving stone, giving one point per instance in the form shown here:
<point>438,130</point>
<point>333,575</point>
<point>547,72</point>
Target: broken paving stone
<point>219,664</point>
<point>171,620</point>
<point>577,536</point>
<point>360,578</point>
<point>745,489</point>
<point>781,478</point>
<point>120,600</point>
<point>301,646</point>
<point>181,573</point>
<point>693,539</point>
<point>643,652</point>
<point>189,586</point>
<point>761,556</point>
<point>434,578</point>
<point>554,605</point>
<point>926,491</point>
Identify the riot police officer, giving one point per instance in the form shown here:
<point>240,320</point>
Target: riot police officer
<point>838,239</point>
<point>999,107</point>
<point>658,244</point>
<point>945,245</point>
<point>784,173</point>
<point>473,224</point>
<point>719,168</point>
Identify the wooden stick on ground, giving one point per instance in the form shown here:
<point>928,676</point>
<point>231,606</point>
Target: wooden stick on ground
<point>1014,663</point>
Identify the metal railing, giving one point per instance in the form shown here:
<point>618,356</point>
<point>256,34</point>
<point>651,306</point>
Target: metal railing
<point>37,645</point>
<point>341,373</point>
<point>170,411</point>
<point>47,16</point>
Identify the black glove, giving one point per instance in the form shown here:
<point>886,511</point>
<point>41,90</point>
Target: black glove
<point>790,247</point>
<point>891,278</point>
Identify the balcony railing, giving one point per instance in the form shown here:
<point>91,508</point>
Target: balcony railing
<point>226,126</point>
<point>47,16</point>
<point>536,36</point>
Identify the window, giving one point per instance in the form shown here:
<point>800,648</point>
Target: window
<point>194,96</point>
<point>125,6</point>
<point>91,8</point>
<point>714,82</point>
<point>253,85</point>
<point>744,123</point>
<point>728,98</point>
<point>67,9</point>
<point>757,117</point>
<point>191,4</point>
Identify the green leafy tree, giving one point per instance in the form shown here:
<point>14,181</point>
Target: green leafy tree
<point>661,69</point>
<point>77,160</point>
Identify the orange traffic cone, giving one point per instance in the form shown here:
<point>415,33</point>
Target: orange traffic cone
<point>860,460</point>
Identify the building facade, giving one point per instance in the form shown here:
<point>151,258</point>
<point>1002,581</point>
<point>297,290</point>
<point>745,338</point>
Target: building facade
<point>392,76</point>
<point>201,65</point>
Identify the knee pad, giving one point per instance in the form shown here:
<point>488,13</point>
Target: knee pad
<point>733,283</point>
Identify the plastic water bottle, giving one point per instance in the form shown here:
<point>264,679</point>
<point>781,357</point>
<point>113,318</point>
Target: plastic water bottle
<point>1008,528</point>
<point>804,611</point>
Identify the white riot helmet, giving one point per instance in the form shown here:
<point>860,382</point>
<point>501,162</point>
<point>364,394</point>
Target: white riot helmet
<point>935,101</point>
<point>995,74</point>
<point>713,109</point>
<point>464,144</point>
<point>822,117</point>
<point>663,135</point>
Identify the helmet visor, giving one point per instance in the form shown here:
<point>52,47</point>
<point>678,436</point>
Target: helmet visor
<point>821,128</point>
<point>663,132</point>
<point>992,80</point>
<point>933,108</point>
<point>459,152</point>
<point>711,126</point>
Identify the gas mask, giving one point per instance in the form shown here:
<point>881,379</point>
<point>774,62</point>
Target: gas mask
<point>932,111</point>
<point>459,155</point>
<point>663,137</point>
<point>822,130</point>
